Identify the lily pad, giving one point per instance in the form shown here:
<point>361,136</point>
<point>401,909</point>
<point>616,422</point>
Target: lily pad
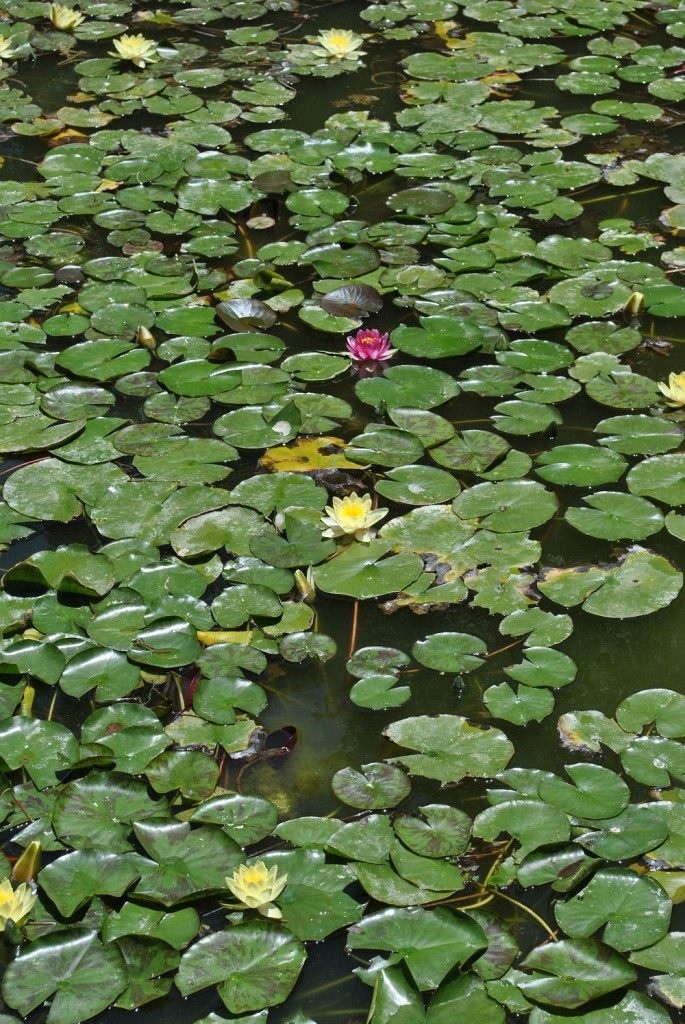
<point>633,911</point>
<point>362,571</point>
<point>375,787</point>
<point>642,582</point>
<point>615,516</point>
<point>450,652</point>
<point>253,965</point>
<point>572,972</point>
<point>581,465</point>
<point>506,507</point>
<point>84,976</point>
<point>439,940</point>
<point>450,748</point>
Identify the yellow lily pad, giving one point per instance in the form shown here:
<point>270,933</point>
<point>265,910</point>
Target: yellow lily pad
<point>308,453</point>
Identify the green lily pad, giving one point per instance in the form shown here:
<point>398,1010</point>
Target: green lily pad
<point>418,485</point>
<point>438,337</point>
<point>190,772</point>
<point>519,706</point>
<point>72,880</point>
<point>254,965</point>
<point>450,748</point>
<point>375,787</point>
<point>430,942</point>
<point>429,427</point>
<point>543,667</point>
<point>580,465</point>
<point>662,477</point>
<point>573,972</point>
<point>128,733</point>
<point>378,692</point>
<point>623,390</point>
<point>71,569</point>
<point>633,911</point>
<point>368,839</point>
<point>603,336</point>
<point>506,507</point>
<point>40,748</point>
<point>98,811</point>
<point>176,928</point>
<point>188,861</point>
<point>445,831</point>
<point>615,516</point>
<point>298,645</point>
<point>641,583</point>
<point>639,434</point>
<point>473,450</point>
<point>84,975</point>
<point>450,652</point>
<point>313,901</point>
<point>361,571</point>
<point>544,629</point>
<point>664,708</point>
<point>384,446</point>
<point>334,261</point>
<point>109,671</point>
<point>531,822</point>
<point>634,831</point>
<point>418,387</point>
<point>51,489</point>
<point>634,1008</point>
<point>596,792</point>
<point>167,643</point>
<point>246,819</point>
<point>519,417</point>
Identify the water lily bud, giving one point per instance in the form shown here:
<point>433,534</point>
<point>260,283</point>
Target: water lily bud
<point>146,338</point>
<point>26,706</point>
<point>634,304</point>
<point>28,865</point>
<point>305,585</point>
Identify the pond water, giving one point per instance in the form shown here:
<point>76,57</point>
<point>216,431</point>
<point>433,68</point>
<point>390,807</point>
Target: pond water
<point>452,712</point>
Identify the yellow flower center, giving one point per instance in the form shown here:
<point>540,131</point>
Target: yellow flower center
<point>353,508</point>
<point>254,876</point>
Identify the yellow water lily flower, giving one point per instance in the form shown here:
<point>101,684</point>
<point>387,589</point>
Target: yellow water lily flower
<point>340,42</point>
<point>256,887</point>
<point>674,391</point>
<point>65,18</point>
<point>6,49</point>
<point>351,516</point>
<point>15,904</point>
<point>138,49</point>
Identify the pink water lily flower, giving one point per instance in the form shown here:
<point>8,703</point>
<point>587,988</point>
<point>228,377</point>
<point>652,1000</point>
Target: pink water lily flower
<point>369,346</point>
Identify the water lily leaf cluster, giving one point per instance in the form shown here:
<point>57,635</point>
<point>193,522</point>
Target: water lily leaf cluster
<point>207,474</point>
